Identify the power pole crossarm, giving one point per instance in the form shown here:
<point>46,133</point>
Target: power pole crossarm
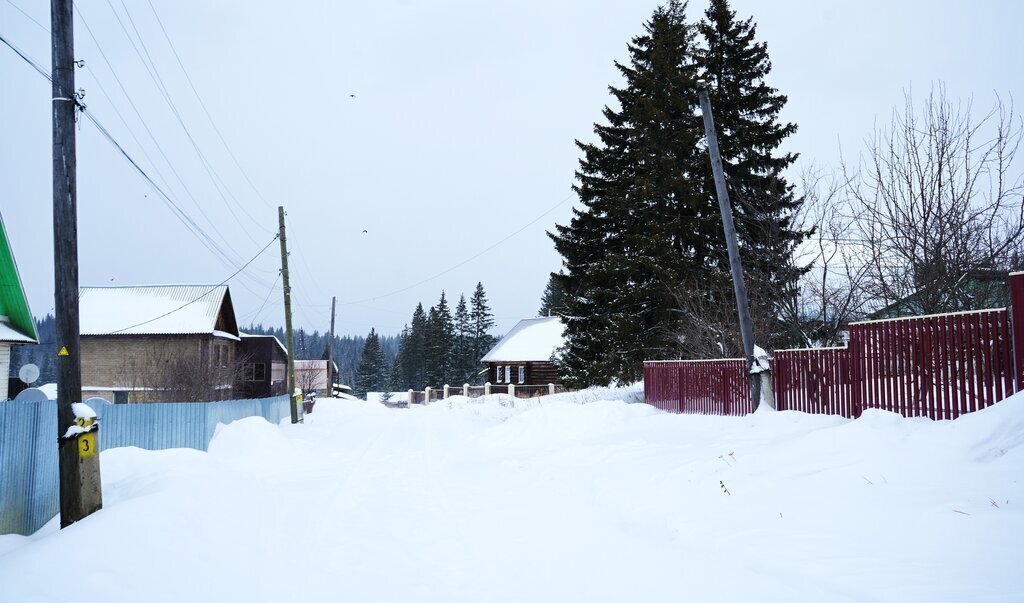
<point>288,316</point>
<point>735,266</point>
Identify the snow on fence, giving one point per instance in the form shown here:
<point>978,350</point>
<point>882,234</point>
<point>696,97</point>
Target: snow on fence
<point>939,366</point>
<point>433,394</point>
<point>28,444</point>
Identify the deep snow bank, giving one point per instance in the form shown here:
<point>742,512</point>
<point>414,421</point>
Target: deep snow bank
<point>499,499</point>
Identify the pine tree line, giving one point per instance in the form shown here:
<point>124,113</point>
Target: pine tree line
<point>646,272</point>
<point>347,349</point>
<point>440,347</point>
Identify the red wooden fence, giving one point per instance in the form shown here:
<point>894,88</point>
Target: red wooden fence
<point>714,387</point>
<point>813,380</point>
<point>940,366</point>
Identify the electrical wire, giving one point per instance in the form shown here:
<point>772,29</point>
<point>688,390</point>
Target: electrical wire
<point>178,212</point>
<point>210,290</point>
<point>460,264</point>
<point>273,288</point>
<point>154,73</point>
<point>30,17</point>
<point>219,250</point>
<point>205,110</point>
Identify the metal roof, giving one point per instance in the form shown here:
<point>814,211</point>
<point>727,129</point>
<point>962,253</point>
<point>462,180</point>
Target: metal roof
<point>154,310</point>
<point>20,326</point>
<point>531,340</point>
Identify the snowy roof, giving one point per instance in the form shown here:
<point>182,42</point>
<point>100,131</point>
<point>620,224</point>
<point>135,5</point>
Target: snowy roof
<point>531,340</point>
<point>274,337</point>
<point>156,310</point>
<point>11,335</point>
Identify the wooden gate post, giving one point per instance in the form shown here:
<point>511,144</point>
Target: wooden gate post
<point>1017,324</point>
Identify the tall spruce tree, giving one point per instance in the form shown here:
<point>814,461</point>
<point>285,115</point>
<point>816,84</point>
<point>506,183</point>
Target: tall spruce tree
<point>646,225</point>
<point>746,111</point>
<point>439,344</point>
<point>482,321</point>
<point>399,378</point>
<point>372,372</point>
<point>416,359</point>
<point>552,301</point>
<point>465,364</point>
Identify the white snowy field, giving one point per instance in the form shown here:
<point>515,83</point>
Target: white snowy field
<point>558,501</point>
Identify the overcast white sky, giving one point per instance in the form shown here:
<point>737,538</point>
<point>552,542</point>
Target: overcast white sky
<point>460,133</point>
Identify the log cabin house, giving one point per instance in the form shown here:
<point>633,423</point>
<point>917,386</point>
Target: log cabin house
<point>523,356</point>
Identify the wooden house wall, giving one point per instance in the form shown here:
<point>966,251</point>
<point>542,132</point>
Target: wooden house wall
<point>537,373</point>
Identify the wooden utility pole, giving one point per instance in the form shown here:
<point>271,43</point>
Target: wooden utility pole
<point>330,352</point>
<point>735,266</point>
<point>79,468</point>
<point>288,316</point>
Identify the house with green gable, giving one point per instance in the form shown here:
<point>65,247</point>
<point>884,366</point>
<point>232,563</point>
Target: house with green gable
<point>17,326</point>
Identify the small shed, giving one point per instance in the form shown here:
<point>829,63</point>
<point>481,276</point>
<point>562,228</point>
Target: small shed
<point>524,355</point>
<point>17,327</point>
<point>311,376</point>
<point>264,366</point>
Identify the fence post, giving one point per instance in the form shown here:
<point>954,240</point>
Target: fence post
<point>465,389</point>
<point>551,389</point>
<point>512,389</point>
<point>411,398</point>
<point>426,395</point>
<point>1017,324</point>
<point>446,391</point>
<point>487,388</point>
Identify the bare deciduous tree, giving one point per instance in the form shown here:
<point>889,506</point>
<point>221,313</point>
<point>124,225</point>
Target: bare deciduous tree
<point>937,202</point>
<point>163,374</point>
<point>831,292</point>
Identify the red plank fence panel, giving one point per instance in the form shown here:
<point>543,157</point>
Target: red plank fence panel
<point>939,366</point>
<point>814,380</point>
<point>719,387</point>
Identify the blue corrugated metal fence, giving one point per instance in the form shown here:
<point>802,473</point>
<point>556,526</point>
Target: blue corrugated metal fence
<point>28,444</point>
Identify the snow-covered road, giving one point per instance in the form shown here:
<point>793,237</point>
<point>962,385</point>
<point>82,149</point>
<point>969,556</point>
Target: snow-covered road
<point>554,501</point>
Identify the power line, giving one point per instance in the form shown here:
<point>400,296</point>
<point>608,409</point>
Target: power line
<point>273,288</point>
<point>154,73</point>
<point>460,264</point>
<point>219,251</point>
<point>30,17</point>
<point>205,110</point>
<point>178,212</point>
<point>210,290</point>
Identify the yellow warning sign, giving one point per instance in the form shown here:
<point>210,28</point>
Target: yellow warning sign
<point>63,351</point>
<point>87,444</point>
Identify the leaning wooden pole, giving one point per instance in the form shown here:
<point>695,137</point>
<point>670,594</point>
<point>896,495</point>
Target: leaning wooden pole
<point>735,266</point>
<point>293,399</point>
<point>78,459</point>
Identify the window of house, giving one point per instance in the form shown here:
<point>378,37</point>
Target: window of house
<point>500,373</point>
<point>120,397</point>
<point>508,374</point>
<point>522,374</point>
<point>254,371</point>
